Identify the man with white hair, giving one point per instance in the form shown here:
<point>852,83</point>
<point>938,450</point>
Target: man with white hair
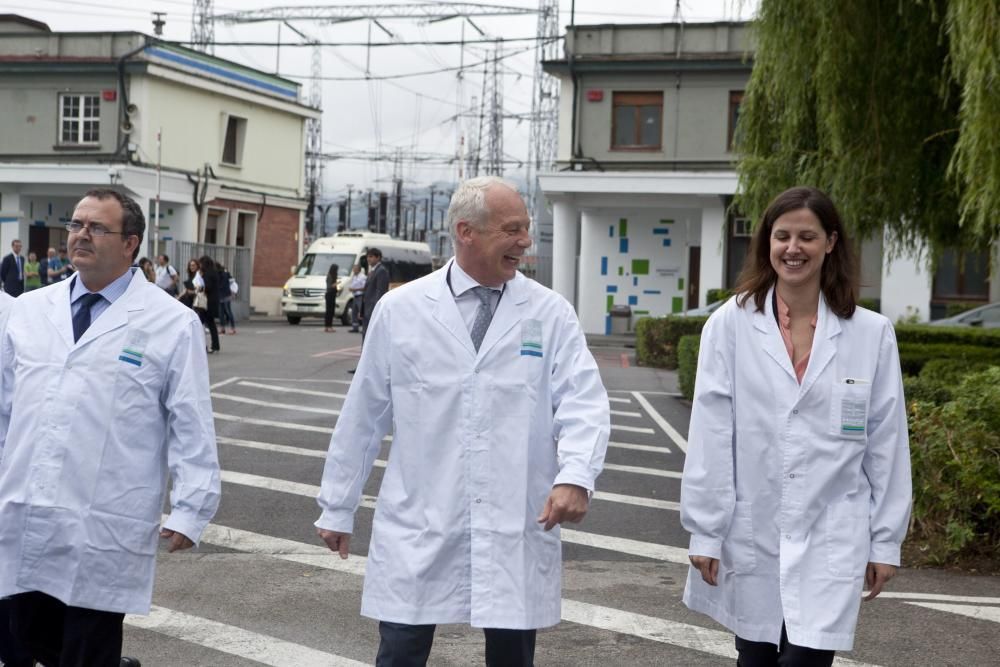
<point>501,424</point>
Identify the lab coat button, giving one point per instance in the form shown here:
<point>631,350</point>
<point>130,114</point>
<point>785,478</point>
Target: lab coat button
<point>791,476</point>
<point>788,537</point>
<point>479,500</point>
<point>795,412</point>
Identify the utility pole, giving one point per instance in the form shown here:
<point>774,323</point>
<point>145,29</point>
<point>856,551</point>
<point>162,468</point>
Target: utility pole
<point>350,187</point>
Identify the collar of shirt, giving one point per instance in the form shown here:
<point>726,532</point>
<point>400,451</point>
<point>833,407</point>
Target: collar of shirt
<point>111,292</point>
<point>466,300</point>
<point>462,282</point>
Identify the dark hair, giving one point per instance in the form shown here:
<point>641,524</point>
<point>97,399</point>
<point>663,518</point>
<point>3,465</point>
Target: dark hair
<point>133,220</point>
<point>188,266</point>
<point>375,251</point>
<point>839,274</point>
<point>165,258</point>
<point>333,270</point>
<point>207,264</point>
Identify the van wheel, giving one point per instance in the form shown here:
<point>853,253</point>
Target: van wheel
<point>293,319</point>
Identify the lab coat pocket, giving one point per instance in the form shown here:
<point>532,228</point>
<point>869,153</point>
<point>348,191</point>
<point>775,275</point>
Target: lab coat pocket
<point>406,401</point>
<point>849,408</point>
<point>120,551</point>
<point>847,538</point>
<point>738,552</point>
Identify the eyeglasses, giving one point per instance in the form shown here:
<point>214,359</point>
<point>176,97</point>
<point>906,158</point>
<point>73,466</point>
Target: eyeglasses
<point>95,229</point>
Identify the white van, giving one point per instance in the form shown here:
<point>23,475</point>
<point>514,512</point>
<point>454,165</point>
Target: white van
<point>304,293</point>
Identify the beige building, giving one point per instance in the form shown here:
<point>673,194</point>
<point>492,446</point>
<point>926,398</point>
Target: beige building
<point>220,145</point>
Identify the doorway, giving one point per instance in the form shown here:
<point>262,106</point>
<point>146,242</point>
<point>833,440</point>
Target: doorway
<point>694,271</point>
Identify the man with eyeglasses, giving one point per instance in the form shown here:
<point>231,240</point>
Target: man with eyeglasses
<point>114,372</point>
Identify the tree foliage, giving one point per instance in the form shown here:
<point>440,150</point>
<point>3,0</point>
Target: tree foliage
<point>890,106</point>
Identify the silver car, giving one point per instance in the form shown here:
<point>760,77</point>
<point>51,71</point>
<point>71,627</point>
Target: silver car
<point>986,317</point>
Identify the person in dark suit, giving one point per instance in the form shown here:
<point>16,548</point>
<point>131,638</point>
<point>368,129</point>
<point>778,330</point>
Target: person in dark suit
<point>211,279</point>
<point>12,270</point>
<point>375,288</point>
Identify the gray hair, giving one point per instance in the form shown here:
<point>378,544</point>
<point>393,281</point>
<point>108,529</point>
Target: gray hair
<point>469,201</point>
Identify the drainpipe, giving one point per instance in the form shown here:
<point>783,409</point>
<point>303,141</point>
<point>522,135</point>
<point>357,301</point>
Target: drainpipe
<point>574,141</point>
<point>123,96</point>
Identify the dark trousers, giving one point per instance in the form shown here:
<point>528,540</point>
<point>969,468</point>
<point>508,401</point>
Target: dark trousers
<point>764,654</point>
<point>58,635</point>
<point>404,645</point>
<point>226,315</point>
<point>331,309</point>
<point>12,654</point>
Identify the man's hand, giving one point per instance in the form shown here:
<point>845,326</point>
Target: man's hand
<point>709,568</point>
<point>567,502</point>
<point>338,542</point>
<point>176,541</point>
<point>876,576</point>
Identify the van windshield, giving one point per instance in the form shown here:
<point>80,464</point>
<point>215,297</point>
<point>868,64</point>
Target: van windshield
<point>318,264</point>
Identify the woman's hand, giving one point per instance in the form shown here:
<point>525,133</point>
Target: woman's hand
<point>709,568</point>
<point>876,576</point>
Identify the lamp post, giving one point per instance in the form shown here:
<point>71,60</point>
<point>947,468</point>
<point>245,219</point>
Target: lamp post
<point>349,189</point>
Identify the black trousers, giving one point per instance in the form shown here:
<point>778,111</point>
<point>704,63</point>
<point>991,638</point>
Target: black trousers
<point>764,654</point>
<point>58,635</point>
<point>12,654</point>
<point>331,309</point>
<point>404,645</point>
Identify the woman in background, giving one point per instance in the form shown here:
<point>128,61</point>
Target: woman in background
<point>32,273</point>
<point>225,301</point>
<point>210,288</point>
<point>331,298</point>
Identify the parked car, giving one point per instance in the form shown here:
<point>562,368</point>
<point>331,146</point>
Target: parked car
<point>987,317</point>
<point>704,311</point>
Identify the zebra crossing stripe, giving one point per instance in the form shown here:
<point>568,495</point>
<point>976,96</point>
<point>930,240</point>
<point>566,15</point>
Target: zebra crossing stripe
<point>606,542</point>
<point>235,641</point>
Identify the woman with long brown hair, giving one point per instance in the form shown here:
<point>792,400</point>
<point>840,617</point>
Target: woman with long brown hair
<point>796,486</point>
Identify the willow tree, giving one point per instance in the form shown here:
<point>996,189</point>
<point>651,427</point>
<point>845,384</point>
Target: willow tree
<point>891,106</point>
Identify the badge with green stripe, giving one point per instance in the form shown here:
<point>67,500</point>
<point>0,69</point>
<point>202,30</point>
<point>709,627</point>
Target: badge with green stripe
<point>135,350</point>
<point>531,338</point>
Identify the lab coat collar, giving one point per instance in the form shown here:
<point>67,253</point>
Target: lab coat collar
<point>823,348</point>
<point>508,312</point>
<point>60,312</point>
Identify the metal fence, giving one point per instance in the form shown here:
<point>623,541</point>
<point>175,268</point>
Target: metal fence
<point>237,260</point>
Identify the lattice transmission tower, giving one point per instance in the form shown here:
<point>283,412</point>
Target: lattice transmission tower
<point>202,27</point>
<point>493,101</point>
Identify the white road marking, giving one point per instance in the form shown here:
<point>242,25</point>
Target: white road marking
<point>347,382</point>
<point>632,429</point>
<point>613,399</point>
<point>321,453</point>
<point>937,597</point>
<point>685,635</point>
<point>265,331</point>
<point>661,422</point>
<point>235,641</point>
<point>638,448</point>
<point>621,545</point>
<point>636,500</point>
<point>656,472</point>
<point>621,413</point>
<point>277,406</point>
<point>344,351</point>
<point>266,422</point>
<point>292,390</point>
<point>972,611</point>
<point>224,383</point>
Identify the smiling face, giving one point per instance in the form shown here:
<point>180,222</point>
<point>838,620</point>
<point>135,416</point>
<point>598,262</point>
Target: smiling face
<point>490,253</point>
<point>100,259</point>
<point>799,245</point>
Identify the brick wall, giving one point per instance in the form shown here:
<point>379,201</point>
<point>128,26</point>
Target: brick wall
<point>276,247</point>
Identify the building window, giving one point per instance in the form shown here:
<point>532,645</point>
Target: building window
<point>742,227</point>
<point>637,121</point>
<point>735,100</point>
<point>79,119</point>
<point>962,276</point>
<point>232,147</point>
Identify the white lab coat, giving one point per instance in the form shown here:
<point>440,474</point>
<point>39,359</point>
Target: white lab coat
<point>479,441</point>
<point>88,432</point>
<point>5,302</point>
<point>795,488</point>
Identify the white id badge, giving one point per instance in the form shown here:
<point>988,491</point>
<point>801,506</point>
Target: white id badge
<point>854,406</point>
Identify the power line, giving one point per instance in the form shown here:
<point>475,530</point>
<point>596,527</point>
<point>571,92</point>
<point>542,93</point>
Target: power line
<point>373,45</point>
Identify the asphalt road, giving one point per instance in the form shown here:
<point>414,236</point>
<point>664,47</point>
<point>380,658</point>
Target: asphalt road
<point>262,589</point>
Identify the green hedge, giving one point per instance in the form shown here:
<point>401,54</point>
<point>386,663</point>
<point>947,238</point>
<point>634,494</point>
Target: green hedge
<point>656,339</point>
<point>924,333</point>
<point>914,356</point>
<point>687,364</point>
<point>939,378</point>
<point>955,455</point>
<point>713,295</point>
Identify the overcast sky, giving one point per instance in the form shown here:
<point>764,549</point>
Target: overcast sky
<point>415,114</point>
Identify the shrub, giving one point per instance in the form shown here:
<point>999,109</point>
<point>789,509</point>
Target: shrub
<point>924,333</point>
<point>913,356</point>
<point>874,305</point>
<point>656,339</point>
<point>713,295</point>
<point>955,454</point>
<point>687,364</point>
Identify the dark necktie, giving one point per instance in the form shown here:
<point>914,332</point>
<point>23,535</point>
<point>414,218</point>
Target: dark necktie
<point>484,315</point>
<point>82,318</point>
